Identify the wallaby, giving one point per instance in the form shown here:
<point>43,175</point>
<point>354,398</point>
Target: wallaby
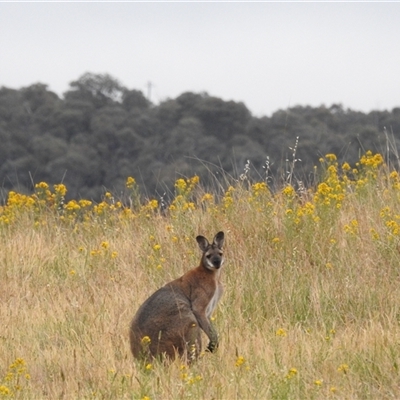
<point>169,322</point>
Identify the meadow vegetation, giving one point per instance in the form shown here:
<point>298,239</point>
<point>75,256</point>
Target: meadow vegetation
<point>311,308</point>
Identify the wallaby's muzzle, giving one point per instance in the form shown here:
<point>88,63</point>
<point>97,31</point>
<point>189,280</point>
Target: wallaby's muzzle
<point>217,262</point>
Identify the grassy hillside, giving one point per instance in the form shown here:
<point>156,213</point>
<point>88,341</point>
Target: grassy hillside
<point>311,307</point>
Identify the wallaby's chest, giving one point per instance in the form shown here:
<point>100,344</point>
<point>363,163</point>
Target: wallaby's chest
<point>214,300</point>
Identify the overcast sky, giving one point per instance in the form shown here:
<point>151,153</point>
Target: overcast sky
<point>268,55</point>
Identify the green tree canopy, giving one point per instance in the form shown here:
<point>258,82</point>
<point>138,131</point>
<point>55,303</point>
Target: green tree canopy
<point>101,132</point>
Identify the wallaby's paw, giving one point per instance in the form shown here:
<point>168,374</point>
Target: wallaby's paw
<point>212,346</point>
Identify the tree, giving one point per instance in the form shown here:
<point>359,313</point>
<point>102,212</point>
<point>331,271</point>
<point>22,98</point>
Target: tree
<point>37,96</point>
<point>134,100</point>
<point>222,119</point>
<point>100,89</point>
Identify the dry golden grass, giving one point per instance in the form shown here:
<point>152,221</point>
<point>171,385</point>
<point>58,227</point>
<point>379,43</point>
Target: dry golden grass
<point>311,307</point>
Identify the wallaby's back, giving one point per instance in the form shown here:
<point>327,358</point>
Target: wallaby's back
<point>171,319</point>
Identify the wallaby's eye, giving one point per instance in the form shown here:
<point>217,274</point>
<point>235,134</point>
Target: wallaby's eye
<point>208,255</point>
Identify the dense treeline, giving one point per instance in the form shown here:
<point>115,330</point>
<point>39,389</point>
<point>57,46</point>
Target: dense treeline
<point>101,132</point>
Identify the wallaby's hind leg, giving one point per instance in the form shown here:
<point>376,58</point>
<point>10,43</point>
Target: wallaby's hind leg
<point>193,342</point>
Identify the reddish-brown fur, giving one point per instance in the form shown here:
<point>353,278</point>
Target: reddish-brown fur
<point>173,317</point>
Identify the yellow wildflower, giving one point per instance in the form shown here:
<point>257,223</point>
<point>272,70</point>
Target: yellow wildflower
<point>343,368</point>
<point>145,340</point>
<point>240,361</point>
<point>292,372</point>
<point>281,332</point>
<point>194,379</point>
<point>346,167</point>
<point>42,185</point>
<point>153,204</point>
<point>188,206</point>
<point>181,185</point>
<point>5,391</point>
<point>331,157</point>
<point>130,182</point>
<point>207,197</point>
<point>289,191</point>
<point>194,180</point>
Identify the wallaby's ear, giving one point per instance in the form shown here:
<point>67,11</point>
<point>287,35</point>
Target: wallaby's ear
<point>219,239</point>
<point>203,243</point>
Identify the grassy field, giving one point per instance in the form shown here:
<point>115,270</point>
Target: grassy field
<point>311,307</point>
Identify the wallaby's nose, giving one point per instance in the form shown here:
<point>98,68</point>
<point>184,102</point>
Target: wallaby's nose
<point>216,262</point>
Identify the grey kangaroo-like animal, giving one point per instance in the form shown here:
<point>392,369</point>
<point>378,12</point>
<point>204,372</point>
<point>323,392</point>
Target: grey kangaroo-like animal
<point>170,321</point>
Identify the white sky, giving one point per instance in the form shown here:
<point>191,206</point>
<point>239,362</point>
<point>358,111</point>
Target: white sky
<point>269,55</point>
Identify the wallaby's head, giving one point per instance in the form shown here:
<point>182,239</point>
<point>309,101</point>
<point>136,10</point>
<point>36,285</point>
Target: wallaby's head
<point>213,256</point>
